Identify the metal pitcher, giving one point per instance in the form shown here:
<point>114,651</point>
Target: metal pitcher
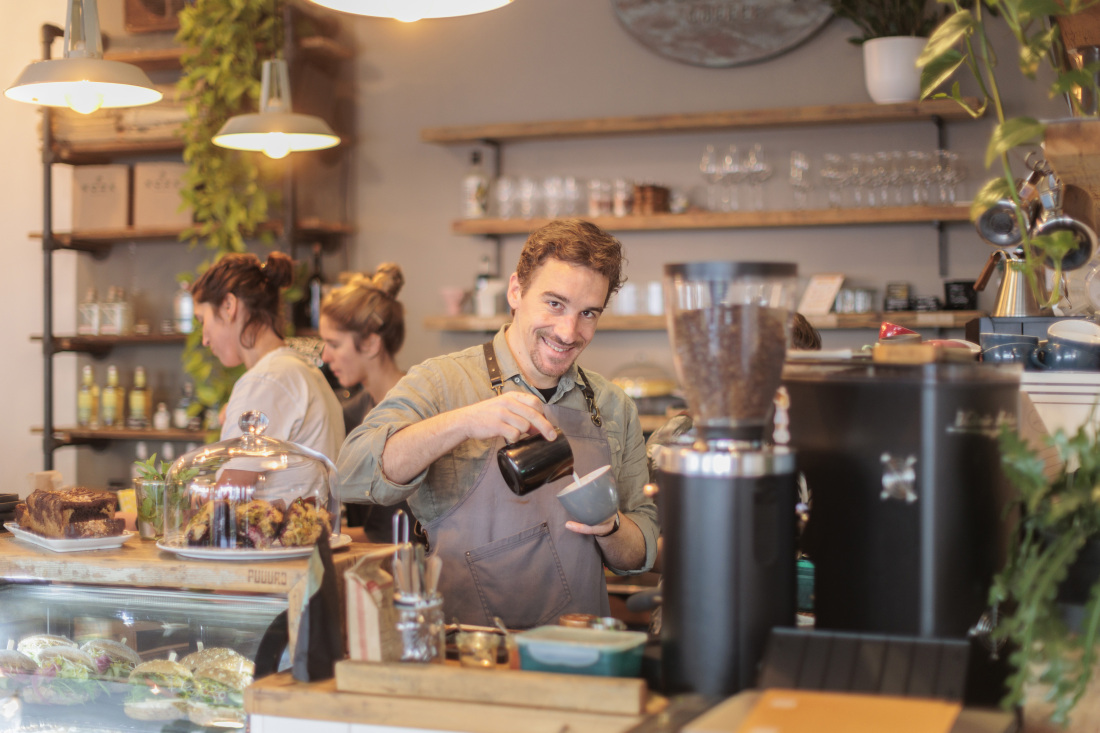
<point>1015,297</point>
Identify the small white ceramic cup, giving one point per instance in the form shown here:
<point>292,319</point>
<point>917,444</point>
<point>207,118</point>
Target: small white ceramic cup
<point>593,499</point>
<point>1076,330</point>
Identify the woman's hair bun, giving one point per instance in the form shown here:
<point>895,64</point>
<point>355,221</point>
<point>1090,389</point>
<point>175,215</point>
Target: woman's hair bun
<point>388,278</point>
<point>279,269</point>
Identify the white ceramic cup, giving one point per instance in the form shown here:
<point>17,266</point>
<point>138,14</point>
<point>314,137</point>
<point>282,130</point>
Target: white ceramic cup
<point>1076,330</point>
<point>593,498</point>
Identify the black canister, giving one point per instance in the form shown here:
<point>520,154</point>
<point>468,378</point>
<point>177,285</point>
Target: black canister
<point>729,527</point>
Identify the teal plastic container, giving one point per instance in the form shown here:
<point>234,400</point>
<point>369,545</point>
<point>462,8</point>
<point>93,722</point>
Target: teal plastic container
<point>805,585</point>
<point>581,651</point>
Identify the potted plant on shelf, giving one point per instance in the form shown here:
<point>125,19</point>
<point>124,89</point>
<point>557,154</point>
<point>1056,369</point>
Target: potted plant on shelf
<point>892,34</point>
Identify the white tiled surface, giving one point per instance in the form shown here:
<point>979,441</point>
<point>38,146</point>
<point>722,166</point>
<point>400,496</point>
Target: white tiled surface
<point>276,724</point>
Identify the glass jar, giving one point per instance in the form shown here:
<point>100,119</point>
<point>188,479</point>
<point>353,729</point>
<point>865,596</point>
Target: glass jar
<point>419,623</point>
<point>251,493</point>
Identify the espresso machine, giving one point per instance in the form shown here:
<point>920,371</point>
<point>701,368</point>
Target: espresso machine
<point>726,498</point>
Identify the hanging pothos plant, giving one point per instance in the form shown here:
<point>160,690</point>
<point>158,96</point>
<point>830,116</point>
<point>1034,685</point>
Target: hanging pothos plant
<point>961,43</point>
<point>231,194</point>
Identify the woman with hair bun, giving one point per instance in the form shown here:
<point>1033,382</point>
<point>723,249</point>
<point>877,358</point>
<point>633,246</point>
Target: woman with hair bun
<point>363,327</point>
<point>238,303</point>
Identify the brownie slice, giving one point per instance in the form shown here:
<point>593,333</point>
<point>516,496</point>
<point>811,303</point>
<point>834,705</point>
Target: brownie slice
<point>77,512</point>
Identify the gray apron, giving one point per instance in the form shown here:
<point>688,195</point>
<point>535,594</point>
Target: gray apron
<point>511,556</point>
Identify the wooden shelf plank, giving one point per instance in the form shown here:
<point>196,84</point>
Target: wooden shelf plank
<point>78,435</point>
<point>103,344</point>
<point>1072,147</point>
<point>150,59</point>
<point>732,219</point>
<point>829,322</point>
<point>90,152</point>
<point>847,114</point>
<point>99,239</point>
<point>909,319</point>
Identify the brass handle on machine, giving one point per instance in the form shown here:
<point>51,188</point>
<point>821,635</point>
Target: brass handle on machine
<point>987,271</point>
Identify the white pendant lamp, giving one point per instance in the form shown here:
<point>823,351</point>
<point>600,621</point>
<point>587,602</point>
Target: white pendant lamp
<point>83,80</point>
<point>411,10</point>
<point>275,130</point>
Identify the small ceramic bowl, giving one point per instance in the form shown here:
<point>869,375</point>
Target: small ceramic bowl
<point>593,498</point>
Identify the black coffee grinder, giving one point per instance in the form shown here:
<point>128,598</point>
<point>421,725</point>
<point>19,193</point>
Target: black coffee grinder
<point>726,500</point>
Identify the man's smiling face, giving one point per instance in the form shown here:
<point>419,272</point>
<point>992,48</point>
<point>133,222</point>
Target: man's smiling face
<point>554,319</point>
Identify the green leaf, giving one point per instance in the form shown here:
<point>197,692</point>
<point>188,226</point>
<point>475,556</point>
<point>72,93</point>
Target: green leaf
<point>992,192</point>
<point>1013,133</point>
<point>938,70</point>
<point>944,38</point>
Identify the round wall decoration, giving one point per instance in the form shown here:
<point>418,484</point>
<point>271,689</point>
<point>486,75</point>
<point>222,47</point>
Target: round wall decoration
<point>719,33</point>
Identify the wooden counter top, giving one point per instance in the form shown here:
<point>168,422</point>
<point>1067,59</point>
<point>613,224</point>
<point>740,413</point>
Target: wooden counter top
<point>280,695</point>
<point>139,563</point>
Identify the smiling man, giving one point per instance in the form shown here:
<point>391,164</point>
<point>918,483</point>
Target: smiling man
<point>435,437</point>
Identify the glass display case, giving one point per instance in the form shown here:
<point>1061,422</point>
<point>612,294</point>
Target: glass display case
<point>252,494</point>
<point>156,623</point>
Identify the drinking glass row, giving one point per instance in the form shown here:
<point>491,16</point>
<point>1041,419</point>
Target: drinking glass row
<point>883,178</point>
<point>557,196</point>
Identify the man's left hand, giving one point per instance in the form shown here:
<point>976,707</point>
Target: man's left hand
<point>598,530</point>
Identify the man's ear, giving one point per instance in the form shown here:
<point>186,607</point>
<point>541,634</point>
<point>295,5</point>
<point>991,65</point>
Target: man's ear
<point>514,291</point>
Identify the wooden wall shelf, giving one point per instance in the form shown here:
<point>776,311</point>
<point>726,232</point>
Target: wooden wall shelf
<point>829,322</point>
<point>99,151</point>
<point>732,219</point>
<point>84,436</point>
<point>846,114</point>
<point>103,344</point>
<point>101,240</point>
<point>320,48</point>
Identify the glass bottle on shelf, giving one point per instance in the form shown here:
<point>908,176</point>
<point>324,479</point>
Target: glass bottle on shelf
<point>123,315</point>
<point>108,315</point>
<point>180,413</point>
<point>87,315</point>
<point>307,312</point>
<point>139,401</point>
<point>475,189</point>
<point>162,419</point>
<point>141,454</point>
<point>183,309</point>
<point>87,409</point>
<point>110,399</point>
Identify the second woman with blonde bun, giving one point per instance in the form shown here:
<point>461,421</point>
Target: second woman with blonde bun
<point>363,327</point>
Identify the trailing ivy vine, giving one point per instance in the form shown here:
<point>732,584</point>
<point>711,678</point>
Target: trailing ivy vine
<point>231,194</point>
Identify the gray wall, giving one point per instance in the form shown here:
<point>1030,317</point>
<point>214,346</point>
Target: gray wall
<point>533,60</point>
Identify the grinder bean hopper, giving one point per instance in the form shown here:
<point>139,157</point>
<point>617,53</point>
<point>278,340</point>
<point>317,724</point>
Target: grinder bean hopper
<point>726,499</point>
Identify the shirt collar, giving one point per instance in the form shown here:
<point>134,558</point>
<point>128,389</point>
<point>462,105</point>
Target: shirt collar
<point>509,368</point>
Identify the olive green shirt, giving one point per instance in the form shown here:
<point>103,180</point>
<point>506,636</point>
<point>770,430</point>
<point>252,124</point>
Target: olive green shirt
<point>446,383</point>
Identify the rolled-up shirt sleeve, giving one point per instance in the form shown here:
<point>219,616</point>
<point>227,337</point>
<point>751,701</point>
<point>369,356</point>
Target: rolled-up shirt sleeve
<point>633,476</point>
<point>359,466</point>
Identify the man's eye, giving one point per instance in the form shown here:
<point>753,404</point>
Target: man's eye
<point>589,314</point>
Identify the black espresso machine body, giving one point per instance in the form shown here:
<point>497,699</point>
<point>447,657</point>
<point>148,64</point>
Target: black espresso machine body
<point>728,522</point>
<point>907,522</point>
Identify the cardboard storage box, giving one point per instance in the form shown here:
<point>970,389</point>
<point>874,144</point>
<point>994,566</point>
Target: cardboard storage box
<point>101,197</point>
<point>157,198</point>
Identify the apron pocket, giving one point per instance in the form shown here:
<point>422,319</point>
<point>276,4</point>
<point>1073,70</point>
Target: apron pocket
<point>520,579</point>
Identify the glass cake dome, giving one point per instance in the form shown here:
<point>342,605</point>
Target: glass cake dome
<point>252,493</point>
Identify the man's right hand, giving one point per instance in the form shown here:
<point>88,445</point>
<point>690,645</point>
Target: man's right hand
<point>512,416</point>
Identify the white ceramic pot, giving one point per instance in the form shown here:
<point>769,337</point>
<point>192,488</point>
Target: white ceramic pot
<point>890,68</point>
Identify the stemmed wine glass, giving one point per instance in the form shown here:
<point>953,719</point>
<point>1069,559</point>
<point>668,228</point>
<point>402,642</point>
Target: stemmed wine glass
<point>759,170</point>
<point>733,173</point>
<point>710,166</point>
<point>833,174</point>
<point>800,178</point>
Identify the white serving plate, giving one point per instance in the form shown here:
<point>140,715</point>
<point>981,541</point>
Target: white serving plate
<point>63,545</point>
<point>226,553</point>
